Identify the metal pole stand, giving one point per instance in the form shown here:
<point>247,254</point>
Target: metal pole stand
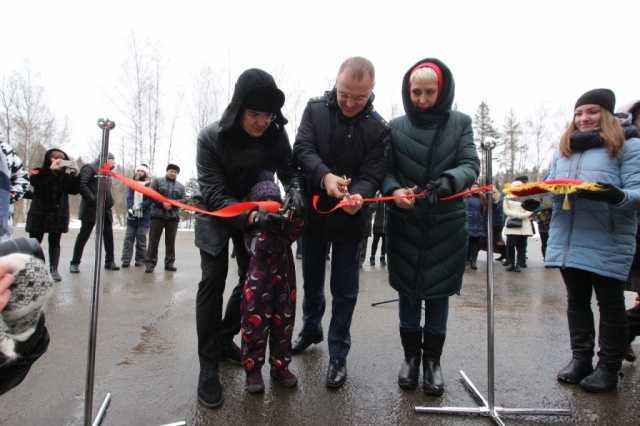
<point>106,125</point>
<point>489,409</point>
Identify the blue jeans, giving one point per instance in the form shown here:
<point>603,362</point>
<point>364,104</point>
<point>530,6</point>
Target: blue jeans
<point>436,314</point>
<point>344,290</point>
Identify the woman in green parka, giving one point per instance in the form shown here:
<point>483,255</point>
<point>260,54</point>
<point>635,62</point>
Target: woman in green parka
<point>432,149</point>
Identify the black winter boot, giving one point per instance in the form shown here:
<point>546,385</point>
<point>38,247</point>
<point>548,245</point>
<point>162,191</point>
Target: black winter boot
<point>522,262</point>
<point>511,257</point>
<point>372,260</point>
<point>612,342</point>
<point>54,258</point>
<point>410,369</point>
<point>581,332</point>
<point>432,380</point>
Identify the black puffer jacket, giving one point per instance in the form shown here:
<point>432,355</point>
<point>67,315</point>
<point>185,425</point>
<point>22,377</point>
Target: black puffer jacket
<point>229,161</point>
<point>89,194</point>
<point>172,190</point>
<point>329,142</point>
<point>49,211</point>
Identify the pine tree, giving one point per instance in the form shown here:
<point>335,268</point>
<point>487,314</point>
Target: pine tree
<point>483,130</point>
<point>513,155</point>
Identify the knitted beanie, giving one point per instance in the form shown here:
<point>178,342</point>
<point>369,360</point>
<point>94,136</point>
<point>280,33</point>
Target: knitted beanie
<point>173,167</point>
<point>266,188</point>
<point>30,290</point>
<point>602,97</point>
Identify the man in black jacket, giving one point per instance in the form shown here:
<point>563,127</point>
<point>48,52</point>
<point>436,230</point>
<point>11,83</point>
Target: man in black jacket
<point>87,215</point>
<point>165,216</point>
<point>231,153</point>
<point>340,147</point>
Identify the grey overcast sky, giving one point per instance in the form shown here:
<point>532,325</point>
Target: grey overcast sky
<point>513,54</point>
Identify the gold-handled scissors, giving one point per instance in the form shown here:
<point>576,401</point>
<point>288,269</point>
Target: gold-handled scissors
<point>345,189</point>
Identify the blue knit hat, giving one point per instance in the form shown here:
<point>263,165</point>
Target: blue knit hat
<point>266,188</point>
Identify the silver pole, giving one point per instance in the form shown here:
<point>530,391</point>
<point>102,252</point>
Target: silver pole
<point>489,409</point>
<point>103,408</point>
<point>106,125</point>
<point>488,146</point>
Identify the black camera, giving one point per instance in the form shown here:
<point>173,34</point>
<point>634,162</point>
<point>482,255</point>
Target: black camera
<point>24,245</point>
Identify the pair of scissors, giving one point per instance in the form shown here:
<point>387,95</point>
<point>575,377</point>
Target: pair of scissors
<point>288,208</point>
<point>345,189</point>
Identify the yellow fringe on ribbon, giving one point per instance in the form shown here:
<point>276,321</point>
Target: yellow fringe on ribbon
<point>555,188</point>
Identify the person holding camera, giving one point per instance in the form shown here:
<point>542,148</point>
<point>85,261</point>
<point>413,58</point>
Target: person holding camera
<point>138,220</point>
<point>87,215</point>
<point>49,211</point>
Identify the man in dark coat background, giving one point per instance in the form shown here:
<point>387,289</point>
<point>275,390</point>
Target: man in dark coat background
<point>340,148</point>
<point>249,138</point>
<point>165,216</point>
<point>87,215</point>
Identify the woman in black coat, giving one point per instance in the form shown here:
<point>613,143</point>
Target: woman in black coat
<point>49,212</point>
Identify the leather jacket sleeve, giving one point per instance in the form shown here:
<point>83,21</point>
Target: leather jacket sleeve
<point>211,179</point>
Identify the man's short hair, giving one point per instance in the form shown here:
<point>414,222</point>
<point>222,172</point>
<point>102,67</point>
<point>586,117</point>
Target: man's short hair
<point>356,67</point>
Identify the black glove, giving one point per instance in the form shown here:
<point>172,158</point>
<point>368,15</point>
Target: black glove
<point>610,194</point>
<point>270,222</point>
<point>437,189</point>
<point>530,205</point>
<point>297,202</point>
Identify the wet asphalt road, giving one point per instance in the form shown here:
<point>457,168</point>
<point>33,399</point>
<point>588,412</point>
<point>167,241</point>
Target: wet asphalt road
<point>147,356</point>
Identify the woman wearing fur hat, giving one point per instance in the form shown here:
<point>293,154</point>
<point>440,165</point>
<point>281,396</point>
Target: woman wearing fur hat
<point>138,220</point>
<point>49,211</point>
<point>594,241</point>
<point>432,147</point>
<point>250,137</point>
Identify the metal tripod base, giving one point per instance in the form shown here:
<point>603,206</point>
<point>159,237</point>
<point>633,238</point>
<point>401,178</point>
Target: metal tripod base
<point>488,412</point>
<point>102,410</point>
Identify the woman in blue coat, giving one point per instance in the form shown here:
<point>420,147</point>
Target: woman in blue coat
<point>594,241</point>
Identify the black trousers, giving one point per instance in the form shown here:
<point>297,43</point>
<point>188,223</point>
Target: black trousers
<point>211,327</point>
<point>83,237</point>
<point>613,336</point>
<point>155,233</point>
<point>374,245</point>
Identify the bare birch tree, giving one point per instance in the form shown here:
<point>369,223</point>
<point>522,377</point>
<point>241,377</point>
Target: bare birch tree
<point>206,103</point>
<point>140,97</point>
<point>542,129</point>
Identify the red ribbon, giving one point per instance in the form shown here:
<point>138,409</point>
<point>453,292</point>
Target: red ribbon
<point>347,203</point>
<point>228,211</point>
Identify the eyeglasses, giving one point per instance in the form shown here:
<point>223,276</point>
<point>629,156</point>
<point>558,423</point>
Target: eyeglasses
<point>359,98</point>
<point>257,116</point>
